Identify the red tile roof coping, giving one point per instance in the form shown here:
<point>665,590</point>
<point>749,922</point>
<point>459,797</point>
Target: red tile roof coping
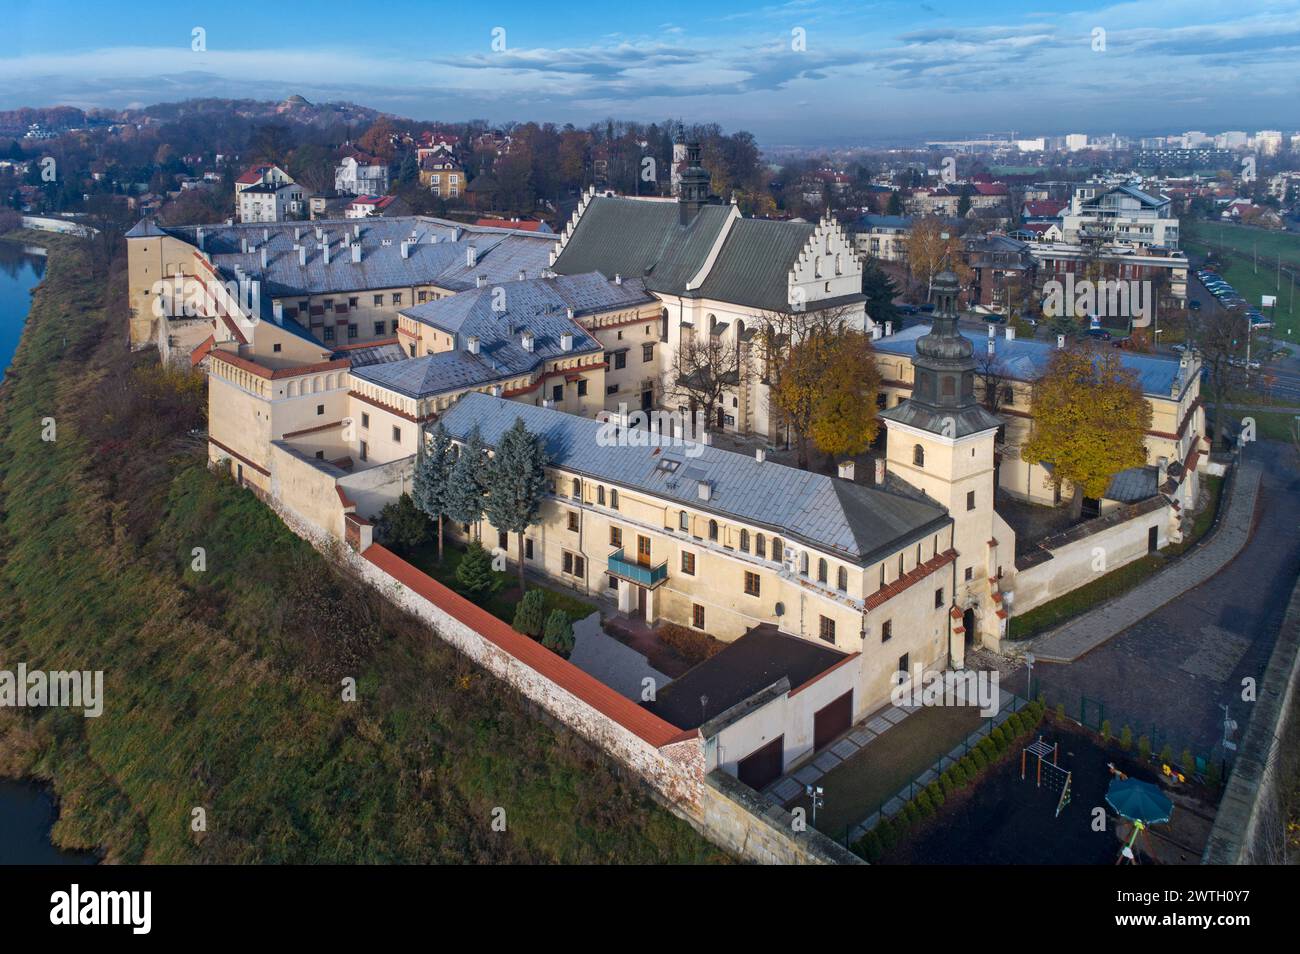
<point>908,579</point>
<point>643,724</point>
<point>824,673</point>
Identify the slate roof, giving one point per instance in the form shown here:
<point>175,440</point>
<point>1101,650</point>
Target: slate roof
<point>744,667</point>
<point>438,256</point>
<point>1133,484</point>
<point>640,238</point>
<point>856,523</point>
<point>645,239</point>
<point>1025,359</point>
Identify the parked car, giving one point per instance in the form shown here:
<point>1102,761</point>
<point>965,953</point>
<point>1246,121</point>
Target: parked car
<point>1194,305</point>
<point>1099,334</point>
<point>906,309</point>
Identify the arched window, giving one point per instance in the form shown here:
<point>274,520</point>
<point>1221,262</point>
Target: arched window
<point>778,549</point>
<point>760,546</point>
<point>577,489</point>
<point>918,455</point>
<point>839,265</point>
<point>613,499</point>
<point>803,563</point>
<point>713,529</point>
<point>744,541</point>
<point>663,325</point>
<point>600,496</point>
<point>821,571</point>
<point>842,580</point>
<point>684,520</point>
<point>817,267</point>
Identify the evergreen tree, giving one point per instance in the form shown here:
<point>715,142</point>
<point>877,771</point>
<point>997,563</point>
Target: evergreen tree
<point>475,574</point>
<point>516,482</point>
<point>558,637</point>
<point>895,203</point>
<point>880,291</point>
<point>403,524</point>
<point>530,614</point>
<point>433,478</point>
<point>464,498</point>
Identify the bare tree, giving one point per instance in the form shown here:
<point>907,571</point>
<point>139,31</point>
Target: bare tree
<point>708,367</point>
<point>1222,343</point>
<point>993,379</point>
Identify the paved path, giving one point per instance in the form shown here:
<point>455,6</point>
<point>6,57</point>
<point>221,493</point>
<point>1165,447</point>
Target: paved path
<point>1168,674</point>
<point>617,666</point>
<point>1085,633</point>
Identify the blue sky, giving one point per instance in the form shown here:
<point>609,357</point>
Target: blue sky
<point>866,72</point>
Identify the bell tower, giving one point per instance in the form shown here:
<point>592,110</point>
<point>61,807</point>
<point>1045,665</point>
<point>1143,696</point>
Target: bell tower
<point>941,441</point>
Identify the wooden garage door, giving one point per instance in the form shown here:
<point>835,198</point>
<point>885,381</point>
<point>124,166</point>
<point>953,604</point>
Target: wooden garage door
<point>763,766</point>
<point>829,722</point>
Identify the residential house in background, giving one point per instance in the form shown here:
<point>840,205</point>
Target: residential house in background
<point>359,174</point>
<point>268,194</point>
<point>443,176</point>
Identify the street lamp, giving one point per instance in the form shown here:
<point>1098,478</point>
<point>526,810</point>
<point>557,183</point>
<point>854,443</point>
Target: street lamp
<point>815,795</point>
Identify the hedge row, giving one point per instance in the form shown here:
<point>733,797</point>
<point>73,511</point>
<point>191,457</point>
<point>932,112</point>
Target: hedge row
<point>964,772</point>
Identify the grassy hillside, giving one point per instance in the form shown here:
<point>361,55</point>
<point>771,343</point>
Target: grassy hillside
<point>222,688</point>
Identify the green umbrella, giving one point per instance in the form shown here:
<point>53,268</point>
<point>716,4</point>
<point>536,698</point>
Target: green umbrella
<point>1139,801</point>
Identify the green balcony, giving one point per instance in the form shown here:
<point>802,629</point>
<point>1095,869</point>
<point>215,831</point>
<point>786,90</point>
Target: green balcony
<point>639,573</point>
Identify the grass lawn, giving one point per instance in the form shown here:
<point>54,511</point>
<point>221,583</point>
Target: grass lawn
<point>1239,270</point>
<point>1271,425</point>
<point>862,784</point>
<point>1245,239</point>
<point>1116,582</point>
<point>502,603</point>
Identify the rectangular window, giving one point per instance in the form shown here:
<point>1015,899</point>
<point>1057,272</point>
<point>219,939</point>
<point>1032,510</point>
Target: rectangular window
<point>320,409</point>
<point>557,392</point>
<point>620,360</point>
<point>615,536</point>
<point>903,666</point>
<point>938,598</point>
<point>647,352</point>
<point>573,520</point>
<point>582,388</point>
<point>752,584</point>
<point>568,562</point>
<point>826,630</point>
<point>328,332</point>
<point>688,564</point>
<point>886,630</point>
<point>365,419</point>
<point>276,346</point>
<point>365,450</point>
<point>379,327</point>
<point>970,572</point>
<point>379,299</point>
<point>352,331</point>
<point>503,540</point>
<point>397,298</point>
<point>970,500</point>
<point>528,548</point>
<point>353,302</point>
<point>697,616</point>
<point>611,389</point>
<point>397,435</point>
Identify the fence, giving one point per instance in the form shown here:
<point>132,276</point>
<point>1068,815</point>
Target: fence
<point>1095,714</point>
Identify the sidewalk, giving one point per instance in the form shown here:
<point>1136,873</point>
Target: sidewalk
<point>1084,633</point>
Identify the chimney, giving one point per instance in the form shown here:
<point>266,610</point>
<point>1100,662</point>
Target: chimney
<point>889,328</point>
<point>302,255</point>
<point>471,344</point>
<point>875,332</point>
<point>569,312</point>
<point>297,235</point>
<point>522,274</point>
<point>529,341</point>
<point>992,348</point>
<point>1060,341</point>
<point>356,251</point>
<point>566,341</point>
<point>356,230</point>
<point>1011,333</point>
<point>992,330</point>
<point>760,454</point>
<point>243,244</point>
<point>880,471</point>
<point>846,469</point>
<point>456,233</point>
<point>263,251</point>
<point>406,249</point>
<point>266,235</point>
<point>618,279</point>
<point>471,255</point>
<point>704,490</point>
<point>198,238</point>
<point>480,281</point>
<point>325,253</point>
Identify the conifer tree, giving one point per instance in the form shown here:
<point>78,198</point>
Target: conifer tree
<point>464,499</point>
<point>433,478</point>
<point>516,483</point>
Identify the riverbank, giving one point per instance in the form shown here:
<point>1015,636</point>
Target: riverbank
<point>223,702</point>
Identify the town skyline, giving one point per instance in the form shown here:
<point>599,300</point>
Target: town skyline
<point>795,74</point>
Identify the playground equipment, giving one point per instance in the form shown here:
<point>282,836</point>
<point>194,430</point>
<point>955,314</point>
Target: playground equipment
<point>1141,803</point>
<point>1058,779</point>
